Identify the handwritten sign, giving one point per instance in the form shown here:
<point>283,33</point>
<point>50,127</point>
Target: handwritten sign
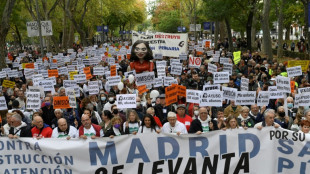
<point>61,102</point>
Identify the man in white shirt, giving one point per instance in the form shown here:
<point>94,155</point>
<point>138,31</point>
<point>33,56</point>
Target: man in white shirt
<point>64,130</point>
<point>173,125</point>
<point>269,116</point>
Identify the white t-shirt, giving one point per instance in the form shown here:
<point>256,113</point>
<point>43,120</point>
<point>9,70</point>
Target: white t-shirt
<point>73,133</point>
<point>147,130</point>
<point>133,127</point>
<point>91,131</point>
<point>179,127</point>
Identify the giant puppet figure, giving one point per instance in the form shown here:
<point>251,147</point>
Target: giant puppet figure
<point>141,54</point>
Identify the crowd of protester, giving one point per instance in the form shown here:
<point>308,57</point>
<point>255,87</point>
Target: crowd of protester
<point>98,115</point>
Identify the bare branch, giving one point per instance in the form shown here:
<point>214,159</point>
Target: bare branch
<point>53,7</point>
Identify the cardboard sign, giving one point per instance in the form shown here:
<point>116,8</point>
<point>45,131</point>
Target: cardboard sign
<point>220,77</point>
<point>168,81</point>
<point>48,85</point>
<point>142,89</point>
<point>302,90</point>
<point>244,84</point>
<point>303,99</point>
<point>99,71</point>
<point>192,96</point>
<point>71,95</point>
<point>61,102</point>
<point>133,72</point>
<point>245,97</point>
<point>87,73</point>
<point>229,93</point>
<point>294,71</point>
<point>274,93</point>
<point>33,100</point>
<point>29,65</point>
<point>211,88</point>
<point>12,73</point>
<point>3,105</point>
<point>207,44</point>
<point>212,68</point>
<point>36,89</point>
<point>112,81</point>
<point>80,78</point>
<point>194,62</point>
<point>211,98</point>
<point>8,84</point>
<point>171,95</point>
<point>263,98</point>
<point>52,72</point>
<point>283,84</point>
<point>224,60</point>
<point>161,63</point>
<point>28,73</point>
<point>145,78</point>
<point>126,101</point>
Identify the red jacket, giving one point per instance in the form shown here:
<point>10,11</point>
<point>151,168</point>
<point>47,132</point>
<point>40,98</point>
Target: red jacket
<point>46,132</point>
<point>96,127</point>
<point>187,120</point>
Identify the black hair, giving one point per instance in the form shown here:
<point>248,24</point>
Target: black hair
<point>153,123</point>
<point>149,53</point>
<point>108,114</point>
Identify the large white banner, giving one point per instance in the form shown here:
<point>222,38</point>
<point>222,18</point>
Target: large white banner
<point>167,44</point>
<point>232,151</point>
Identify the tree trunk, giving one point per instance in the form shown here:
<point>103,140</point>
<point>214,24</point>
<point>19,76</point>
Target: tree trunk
<point>266,31</point>
<point>306,21</point>
<point>223,32</point>
<point>19,37</point>
<point>230,48</point>
<point>65,28</point>
<point>253,33</point>
<point>288,32</point>
<point>4,29</point>
<point>280,30</point>
<point>55,44</point>
<point>70,40</point>
<point>249,29</point>
<point>216,33</point>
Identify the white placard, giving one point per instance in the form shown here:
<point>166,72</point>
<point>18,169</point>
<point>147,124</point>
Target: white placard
<point>263,98</point>
<point>212,68</point>
<point>161,63</point>
<point>274,93</point>
<point>211,87</point>
<point>228,67</point>
<point>2,74</point>
<point>3,105</point>
<point>71,95</point>
<point>39,89</point>
<point>294,71</point>
<point>303,99</point>
<point>224,60</point>
<point>302,90</point>
<point>113,80</point>
<point>245,97</point>
<point>63,71</point>
<point>93,87</point>
<point>145,78</point>
<point>168,81</point>
<point>172,61</point>
<point>99,71</point>
<point>126,100</point>
<point>220,77</point>
<point>194,62</point>
<point>183,56</point>
<point>211,98</point>
<point>12,73</point>
<point>33,28</point>
<point>133,72</point>
<point>69,83</point>
<point>71,68</point>
<point>176,69</point>
<point>158,82</point>
<point>158,56</point>
<point>28,73</point>
<point>229,93</point>
<point>244,84</point>
<point>192,96</point>
<point>161,71</point>
<point>80,78</point>
<point>283,84</point>
<point>33,100</point>
<point>48,85</point>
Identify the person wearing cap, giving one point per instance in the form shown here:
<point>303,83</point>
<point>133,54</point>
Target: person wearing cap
<point>161,110</point>
<point>182,117</point>
<point>173,126</point>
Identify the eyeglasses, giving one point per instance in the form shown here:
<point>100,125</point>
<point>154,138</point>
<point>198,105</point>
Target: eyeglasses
<point>203,112</point>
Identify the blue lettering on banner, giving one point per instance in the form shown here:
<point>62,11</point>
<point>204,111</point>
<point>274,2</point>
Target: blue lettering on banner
<point>242,145</point>
<point>304,150</point>
<point>136,143</point>
<point>169,48</point>
<point>193,148</point>
<point>286,149</point>
<point>94,151</point>
<point>223,144</point>
<point>161,148</point>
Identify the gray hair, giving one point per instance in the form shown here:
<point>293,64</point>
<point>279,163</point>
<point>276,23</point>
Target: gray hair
<point>17,117</point>
<point>245,108</point>
<point>306,112</point>
<point>58,110</point>
<point>271,111</point>
<point>61,89</point>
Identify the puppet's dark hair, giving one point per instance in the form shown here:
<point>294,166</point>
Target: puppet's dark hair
<point>149,53</point>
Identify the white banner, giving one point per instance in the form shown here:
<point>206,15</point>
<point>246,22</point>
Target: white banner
<point>211,98</point>
<point>126,101</point>
<point>33,29</point>
<point>294,71</point>
<point>220,77</point>
<point>168,44</point>
<point>232,151</point>
<point>33,100</point>
<point>245,97</point>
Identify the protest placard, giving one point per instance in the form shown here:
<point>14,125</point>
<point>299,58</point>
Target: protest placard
<point>158,82</point>
<point>2,74</point>
<point>302,90</point>
<point>161,71</point>
<point>283,84</point>
<point>211,98</point>
<point>98,71</point>
<point>33,100</point>
<point>39,89</point>
<point>303,63</point>
<point>172,61</point>
<point>183,56</point>
<point>126,101</point>
<point>72,74</point>
<point>8,84</point>
<point>145,78</point>
<point>142,89</point>
<point>48,85</point>
<point>12,73</point>
<point>71,68</point>
<point>237,57</point>
<point>87,73</point>
<point>220,77</point>
<point>3,105</point>
<point>161,63</point>
<point>224,60</point>
<point>181,90</point>
<point>228,67</point>
<point>44,73</point>
<point>171,95</point>
<point>229,93</point>
<point>93,87</point>
<point>71,95</point>
<point>244,84</point>
<point>176,69</point>
<point>113,70</point>
<point>52,72</point>
<point>80,78</point>
<point>29,65</point>
<point>69,83</point>
<point>194,62</point>
<point>274,93</point>
<point>133,72</point>
<point>303,99</point>
<point>168,81</point>
<point>245,97</point>
<point>63,71</point>
<point>212,68</point>
<point>211,87</point>
<point>263,98</point>
<point>158,56</point>
<point>28,73</point>
<point>61,102</point>
<point>207,43</point>
<point>113,80</point>
<point>294,71</point>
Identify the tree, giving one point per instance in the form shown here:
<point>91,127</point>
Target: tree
<point>280,29</point>
<point>267,49</point>
<point>6,8</point>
